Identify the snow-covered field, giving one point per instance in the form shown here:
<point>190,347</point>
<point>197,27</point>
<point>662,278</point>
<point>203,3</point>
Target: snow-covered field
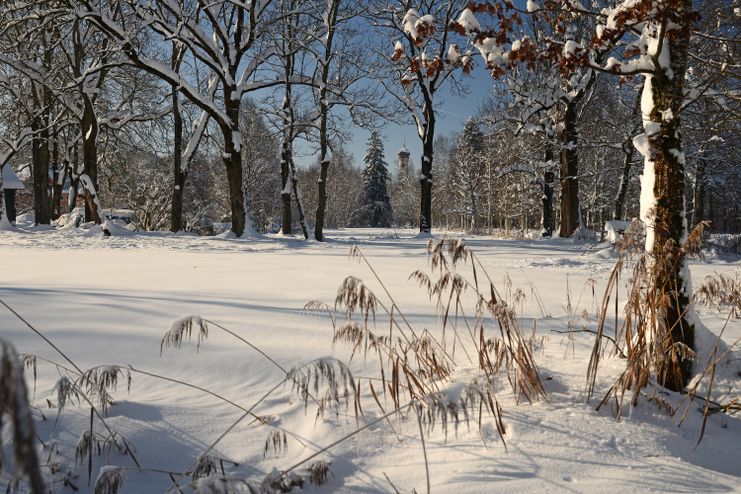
<point>110,300</point>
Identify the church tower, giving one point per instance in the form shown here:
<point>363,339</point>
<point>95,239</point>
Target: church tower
<point>403,160</point>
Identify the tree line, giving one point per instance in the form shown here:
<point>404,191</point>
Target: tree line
<point>191,111</point>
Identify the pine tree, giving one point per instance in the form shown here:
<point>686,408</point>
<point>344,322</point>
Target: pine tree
<point>468,170</point>
<point>375,177</point>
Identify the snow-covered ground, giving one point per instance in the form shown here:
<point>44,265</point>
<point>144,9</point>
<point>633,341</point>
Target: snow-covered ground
<point>110,300</point>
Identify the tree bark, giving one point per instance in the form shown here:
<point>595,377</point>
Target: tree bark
<point>322,199</point>
<point>425,181</point>
<point>698,194</point>
<point>74,179</point>
<point>40,159</point>
<point>330,20</point>
<point>297,198</point>
<point>569,172</point>
<point>665,221</point>
<point>286,155</point>
<point>59,178</point>
<point>619,210</point>
<point>232,159</point>
<point>89,129</point>
<point>628,151</point>
<point>40,154</point>
<point>4,221</point>
<point>179,175</point>
<point>285,192</point>
<point>547,199</point>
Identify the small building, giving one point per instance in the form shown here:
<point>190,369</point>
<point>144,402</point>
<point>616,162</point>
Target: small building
<point>11,185</point>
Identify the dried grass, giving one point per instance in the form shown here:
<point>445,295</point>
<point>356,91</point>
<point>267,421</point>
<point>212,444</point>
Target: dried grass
<point>276,444</point>
<point>204,466</point>
<point>182,329</point>
<point>655,323</point>
<point>99,381</point>
<point>417,366</point>
<point>319,472</point>
<point>14,403</point>
<point>325,381</point>
<point>110,480</point>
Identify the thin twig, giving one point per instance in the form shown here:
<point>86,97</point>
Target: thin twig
<point>344,438</point>
<point>60,352</point>
<point>591,331</point>
<point>227,431</point>
<point>249,344</point>
<point>30,326</point>
<point>424,449</point>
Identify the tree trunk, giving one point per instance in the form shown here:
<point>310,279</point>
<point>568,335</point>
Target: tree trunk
<point>628,150</point>
<point>569,173</point>
<point>233,162</point>
<point>40,155</point>
<point>89,129</point>
<point>322,199</point>
<point>286,155</point>
<point>40,158</point>
<point>179,175</point>
<point>4,221</point>
<point>474,209</point>
<point>323,169</point>
<point>330,24</point>
<point>664,215</point>
<point>297,198</point>
<point>59,178</point>
<point>285,192</point>
<point>425,181</point>
<point>619,211</point>
<point>547,199</point>
<point>698,194</point>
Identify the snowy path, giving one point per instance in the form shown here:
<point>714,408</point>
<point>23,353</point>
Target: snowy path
<point>110,300</point>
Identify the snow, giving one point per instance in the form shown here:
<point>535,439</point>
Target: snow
<point>648,178</point>
<point>110,300</point>
<point>413,22</point>
<point>237,141</point>
<point>5,224</point>
<point>570,48</point>
<point>453,55</point>
<point>468,21</point>
<point>493,54</point>
<point>410,23</point>
<point>614,230</point>
<point>10,179</point>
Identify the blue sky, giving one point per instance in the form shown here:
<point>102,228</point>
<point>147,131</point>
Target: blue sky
<point>453,112</point>
<point>451,115</point>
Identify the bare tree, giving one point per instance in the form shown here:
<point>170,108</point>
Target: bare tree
<point>424,62</point>
<point>227,37</point>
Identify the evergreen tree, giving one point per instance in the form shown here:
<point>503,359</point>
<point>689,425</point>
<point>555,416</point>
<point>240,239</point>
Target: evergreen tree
<point>468,170</point>
<point>375,177</point>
